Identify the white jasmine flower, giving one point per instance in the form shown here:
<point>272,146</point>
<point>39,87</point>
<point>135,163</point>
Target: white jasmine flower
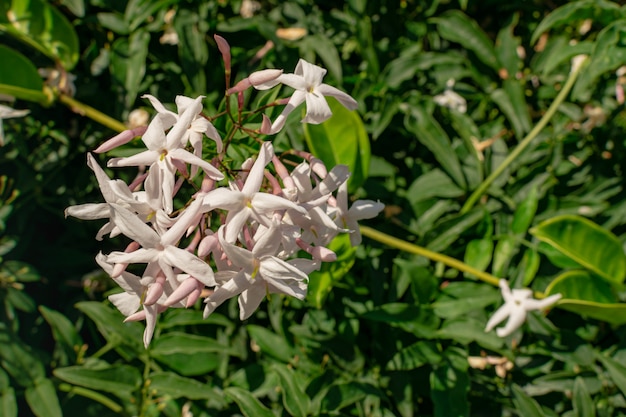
<point>517,303</point>
<point>451,99</point>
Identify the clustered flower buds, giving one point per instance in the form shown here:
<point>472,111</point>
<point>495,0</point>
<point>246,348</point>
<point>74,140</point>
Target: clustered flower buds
<point>246,231</point>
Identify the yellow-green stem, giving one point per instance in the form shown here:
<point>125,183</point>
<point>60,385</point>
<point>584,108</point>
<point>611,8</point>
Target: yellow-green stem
<point>93,114</point>
<point>525,142</point>
<point>434,256</point>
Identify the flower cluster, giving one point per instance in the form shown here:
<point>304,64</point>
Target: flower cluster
<point>248,231</point>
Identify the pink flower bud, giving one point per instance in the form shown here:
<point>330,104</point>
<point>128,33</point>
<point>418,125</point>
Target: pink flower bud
<point>266,125</point>
<point>121,139</point>
<point>186,288</point>
<point>318,252</point>
<point>224,49</point>
<point>119,268</point>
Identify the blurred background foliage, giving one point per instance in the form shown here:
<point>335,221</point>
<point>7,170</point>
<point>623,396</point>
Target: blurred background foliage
<point>383,333</point>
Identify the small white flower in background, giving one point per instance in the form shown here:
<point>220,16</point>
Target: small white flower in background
<point>451,99</point>
<point>62,80</point>
<point>517,304</point>
<point>7,112</point>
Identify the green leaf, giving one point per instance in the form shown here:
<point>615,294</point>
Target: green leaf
<point>295,400</point>
<point>176,386</point>
<point>506,248</point>
<point>248,405</point>
<point>529,266</point>
<point>615,369</point>
<point>128,64</point>
<point>192,49</point>
<point>189,354</point>
<point>524,404</point>
<point>271,344</point>
<point>585,243</point>
<point>19,77</point>
<point>456,26</point>
<point>41,26</point>
<point>8,404</point>
<point>581,399</point>
<point>460,298</point>
<point>511,100</point>
<point>116,379</point>
<point>326,50</point>
<point>75,6</point>
<point>342,139</point>
<point>414,356</point>
<point>64,333</point>
<point>111,325</point>
<point>42,399</point>
<point>421,123</point>
<point>525,212</point>
<point>18,359</point>
<point>478,254</point>
<point>321,282</point>
<point>449,385</point>
<point>406,67</point>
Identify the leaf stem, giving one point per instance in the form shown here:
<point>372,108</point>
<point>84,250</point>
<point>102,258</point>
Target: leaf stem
<point>93,114</point>
<point>96,396</point>
<point>525,142</point>
<point>434,256</point>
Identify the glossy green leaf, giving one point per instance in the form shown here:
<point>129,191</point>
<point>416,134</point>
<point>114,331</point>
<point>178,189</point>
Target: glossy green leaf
<point>414,356</point>
<point>342,139</point>
<point>248,405</point>
<point>428,131</point>
<point>42,399</point>
<point>586,243</point>
<point>529,266</point>
<point>19,77</point>
<point>321,282</point>
<point>457,27</point>
<point>582,401</point>
<point>120,379</point>
<point>41,26</point>
<point>449,385</point>
<point>524,404</point>
<point>295,400</point>
<point>271,344</point>
<point>176,386</point>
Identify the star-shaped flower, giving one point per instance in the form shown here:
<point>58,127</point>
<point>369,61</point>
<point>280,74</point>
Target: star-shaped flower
<point>307,81</point>
<point>517,304</point>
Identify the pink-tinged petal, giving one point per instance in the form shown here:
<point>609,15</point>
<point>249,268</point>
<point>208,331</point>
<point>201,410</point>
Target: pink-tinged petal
<point>347,101</point>
<point>264,78</point>
<point>133,227</point>
<point>151,314</point>
<point>365,209</point>
<point>183,222</point>
<point>103,180</point>
<point>313,74</point>
<point>168,116</point>
<point>140,256</point>
<point>266,125</point>
<point>516,319</point>
<point>127,281</point>
<point>142,158</point>
<point>155,138</point>
<point>126,303</point>
<point>333,180</point>
<point>183,103</point>
<point>294,81</point>
<point>268,243</point>
<point>250,300</point>
<point>301,175</point>
<point>223,198</point>
<point>296,99</point>
<point>305,265</point>
<point>192,159</point>
<point>277,271</point>
<point>317,109</point>
<point>255,177</point>
<point>117,140</point>
<point>240,257</point>
<point>207,245</point>
<point>89,211</point>
<point>155,291</point>
<point>228,290</point>
<point>264,202</point>
<point>190,264</point>
<point>185,288</point>
<point>183,123</point>
<point>235,222</point>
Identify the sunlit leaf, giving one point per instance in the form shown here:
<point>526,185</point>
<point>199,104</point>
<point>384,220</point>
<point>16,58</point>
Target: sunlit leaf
<point>19,77</point>
<point>248,405</point>
<point>585,243</point>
